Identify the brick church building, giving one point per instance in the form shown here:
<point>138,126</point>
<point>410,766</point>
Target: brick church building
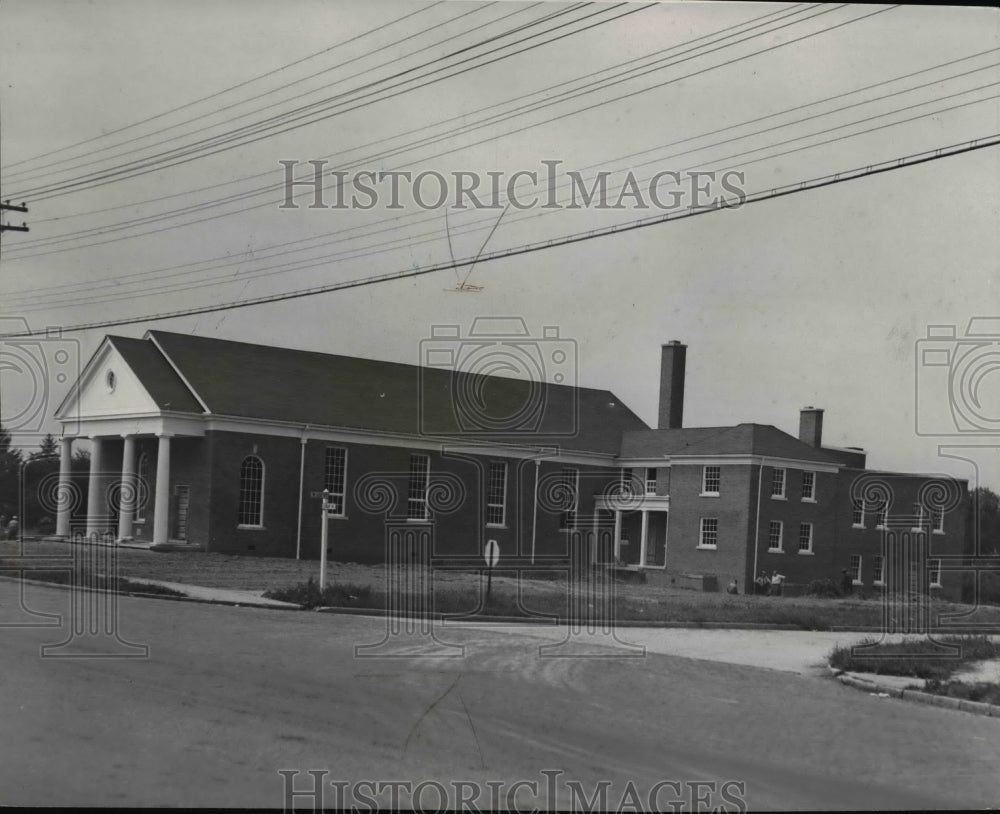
<point>227,447</point>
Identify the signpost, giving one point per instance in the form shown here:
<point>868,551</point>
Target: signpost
<point>492,557</point>
<point>323,538</point>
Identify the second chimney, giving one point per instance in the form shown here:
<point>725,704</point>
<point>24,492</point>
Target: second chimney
<point>811,426</point>
<point>672,361</point>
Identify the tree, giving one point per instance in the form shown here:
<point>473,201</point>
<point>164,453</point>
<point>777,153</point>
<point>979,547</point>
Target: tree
<point>986,504</point>
<point>10,474</point>
<point>49,448</point>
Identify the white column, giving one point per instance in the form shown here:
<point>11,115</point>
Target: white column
<point>618,534</point>
<point>642,539</point>
<point>64,500</point>
<point>126,511</point>
<point>593,545</point>
<point>161,506</point>
<point>97,505</point>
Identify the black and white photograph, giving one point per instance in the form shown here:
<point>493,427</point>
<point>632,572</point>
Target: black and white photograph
<point>494,405</point>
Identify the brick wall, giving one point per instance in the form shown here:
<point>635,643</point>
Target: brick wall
<point>731,508</point>
<point>792,511</point>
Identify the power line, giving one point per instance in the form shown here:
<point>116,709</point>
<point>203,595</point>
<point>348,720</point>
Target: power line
<point>442,123</point>
<point>225,90</point>
<point>758,197</point>
<point>547,101</point>
<point>217,111</point>
<point>510,132</point>
<point>37,295</point>
<point>244,136</point>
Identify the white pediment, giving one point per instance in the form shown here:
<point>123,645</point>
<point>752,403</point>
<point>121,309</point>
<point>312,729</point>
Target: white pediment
<point>108,387</point>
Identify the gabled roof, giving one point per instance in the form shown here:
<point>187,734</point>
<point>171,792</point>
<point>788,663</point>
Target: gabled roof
<point>157,376</point>
<point>741,439</point>
<point>304,387</point>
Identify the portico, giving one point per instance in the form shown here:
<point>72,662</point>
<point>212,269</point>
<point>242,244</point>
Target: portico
<point>642,521</point>
<point>128,426</point>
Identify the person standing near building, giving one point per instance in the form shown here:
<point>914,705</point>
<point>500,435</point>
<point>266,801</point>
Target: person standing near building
<point>776,582</point>
<point>846,583</point>
<point>12,528</point>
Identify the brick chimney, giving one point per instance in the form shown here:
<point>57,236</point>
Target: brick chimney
<point>672,361</point>
<point>811,426</point>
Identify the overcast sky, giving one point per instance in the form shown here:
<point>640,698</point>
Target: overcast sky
<point>816,298</point>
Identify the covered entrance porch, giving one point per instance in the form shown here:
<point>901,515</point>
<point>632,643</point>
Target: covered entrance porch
<point>639,539</point>
<point>132,489</point>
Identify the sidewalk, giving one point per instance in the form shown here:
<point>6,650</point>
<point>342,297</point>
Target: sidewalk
<point>228,596</point>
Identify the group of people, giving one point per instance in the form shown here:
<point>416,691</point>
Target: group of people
<point>768,584</point>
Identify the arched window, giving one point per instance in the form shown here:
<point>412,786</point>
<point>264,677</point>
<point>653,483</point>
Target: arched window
<point>251,508</point>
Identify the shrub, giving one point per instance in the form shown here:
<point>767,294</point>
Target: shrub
<point>923,658</point>
<point>822,587</point>
<point>339,594</point>
<point>46,525</point>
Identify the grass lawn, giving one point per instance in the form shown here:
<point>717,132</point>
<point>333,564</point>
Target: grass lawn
<point>460,592</point>
<point>927,659</point>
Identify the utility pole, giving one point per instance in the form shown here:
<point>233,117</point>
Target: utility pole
<point>7,206</point>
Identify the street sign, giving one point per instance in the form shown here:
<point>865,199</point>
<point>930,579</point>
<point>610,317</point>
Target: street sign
<point>492,553</point>
<point>325,494</point>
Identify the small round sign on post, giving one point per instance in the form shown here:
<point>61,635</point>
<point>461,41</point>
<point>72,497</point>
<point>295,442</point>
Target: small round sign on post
<point>492,553</point>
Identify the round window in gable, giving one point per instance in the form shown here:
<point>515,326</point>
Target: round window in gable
<point>111,380</point>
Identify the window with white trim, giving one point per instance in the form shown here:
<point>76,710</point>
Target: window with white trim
<point>650,481</point>
<point>858,514</point>
<point>251,506</point>
<point>142,490</point>
<point>878,570</point>
<point>937,521</point>
<point>709,537</point>
<point>778,483</point>
<point>571,484</point>
<point>711,478</point>
<point>805,538</point>
<point>808,485</point>
<point>934,567</point>
<point>496,494</point>
<point>918,516</point>
<point>416,495</point>
<point>855,569</point>
<point>335,478</point>
<point>883,515</point>
<point>774,533</point>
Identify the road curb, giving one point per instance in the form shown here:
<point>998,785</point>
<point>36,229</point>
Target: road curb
<point>196,599</point>
<point>918,696</point>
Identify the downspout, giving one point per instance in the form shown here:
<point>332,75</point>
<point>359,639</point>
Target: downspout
<point>302,482</point>
<point>756,533</point>
<point>534,516</point>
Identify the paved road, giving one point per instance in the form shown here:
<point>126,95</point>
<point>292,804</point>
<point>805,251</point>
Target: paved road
<point>227,697</point>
